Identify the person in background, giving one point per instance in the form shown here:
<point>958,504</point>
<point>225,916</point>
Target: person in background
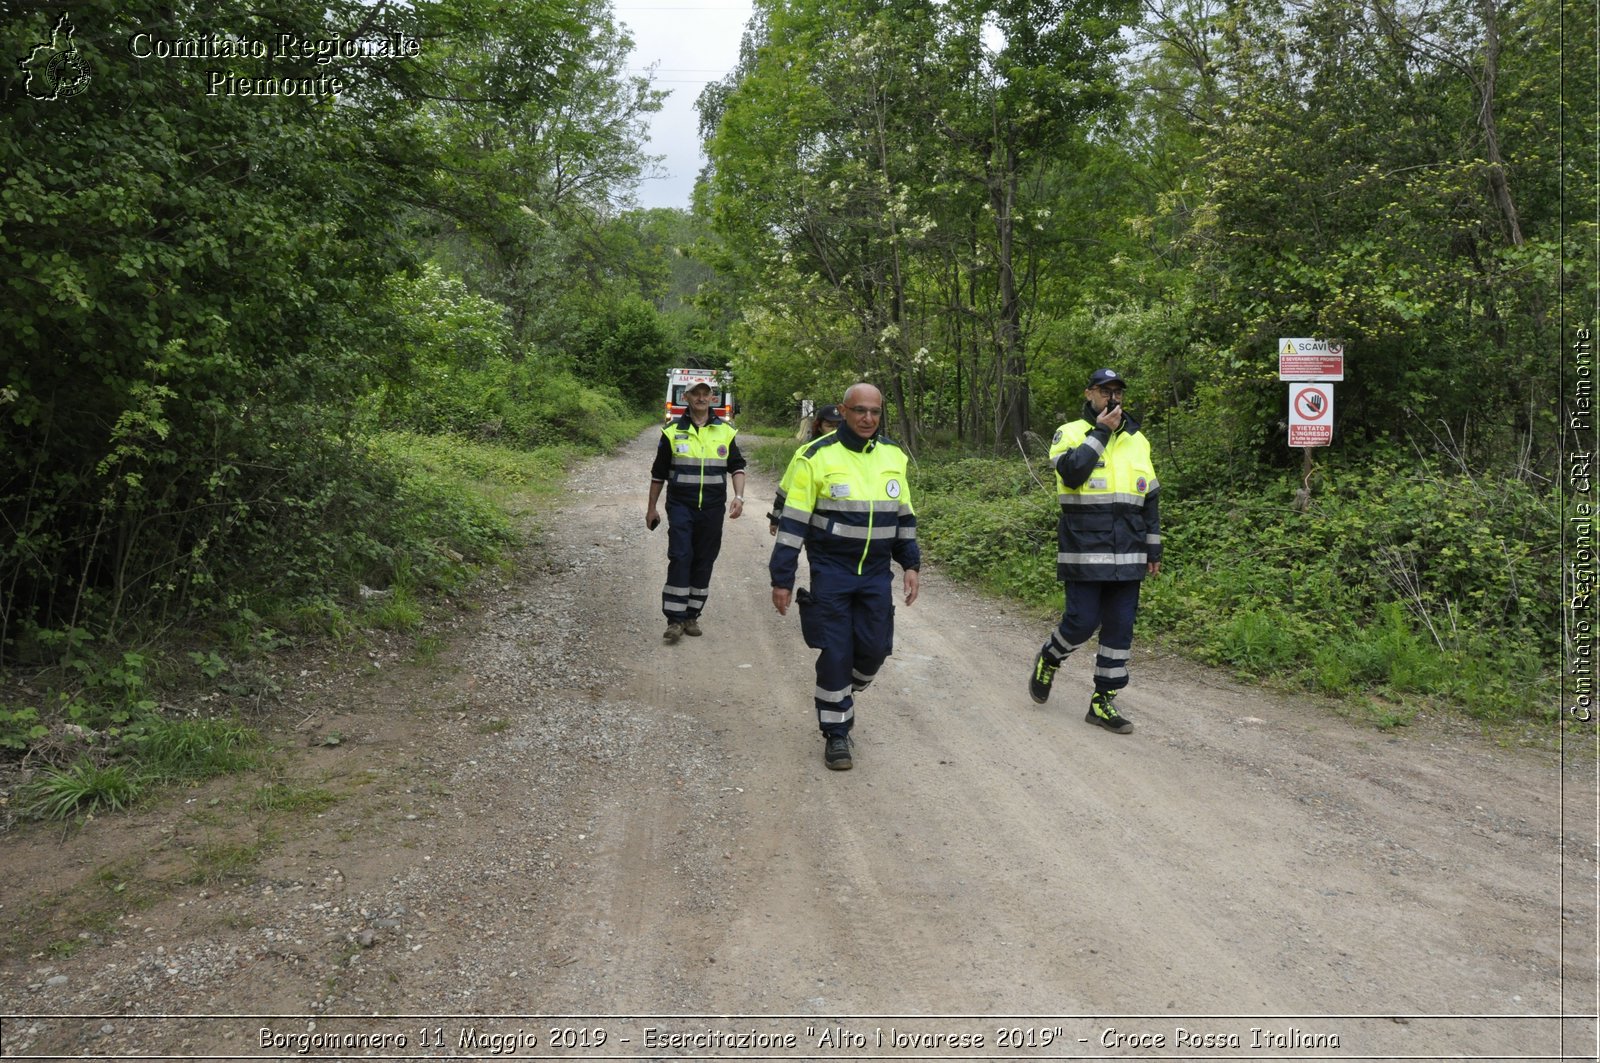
<point>1108,539</point>
<point>849,506</point>
<point>696,455</point>
<point>826,420</point>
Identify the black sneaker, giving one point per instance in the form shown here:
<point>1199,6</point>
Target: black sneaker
<point>836,754</point>
<point>1103,713</point>
<point>1043,675</point>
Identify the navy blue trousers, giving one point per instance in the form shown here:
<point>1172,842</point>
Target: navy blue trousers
<point>1109,607</point>
<point>694,538</point>
<point>850,621</point>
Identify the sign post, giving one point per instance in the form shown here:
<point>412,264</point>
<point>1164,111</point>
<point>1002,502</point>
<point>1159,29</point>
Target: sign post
<point>1310,366</point>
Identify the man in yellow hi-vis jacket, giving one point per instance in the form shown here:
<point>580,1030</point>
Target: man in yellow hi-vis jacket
<point>695,458</point>
<point>849,505</point>
<point>1108,539</point>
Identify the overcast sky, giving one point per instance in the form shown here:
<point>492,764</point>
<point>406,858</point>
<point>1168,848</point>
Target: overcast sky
<point>691,42</point>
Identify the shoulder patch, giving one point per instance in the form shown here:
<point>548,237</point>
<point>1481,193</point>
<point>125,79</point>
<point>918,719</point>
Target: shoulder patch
<point>826,441</point>
<point>1057,437</point>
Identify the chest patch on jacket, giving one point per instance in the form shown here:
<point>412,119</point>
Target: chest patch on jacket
<point>838,490</point>
<point>892,488</point>
<point>1097,483</point>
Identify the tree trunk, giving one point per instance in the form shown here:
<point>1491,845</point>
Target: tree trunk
<point>1011,399</point>
<point>1491,137</point>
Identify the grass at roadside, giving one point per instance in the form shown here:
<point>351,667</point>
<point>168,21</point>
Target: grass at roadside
<point>218,835</point>
<point>1396,592</point>
<point>95,721</point>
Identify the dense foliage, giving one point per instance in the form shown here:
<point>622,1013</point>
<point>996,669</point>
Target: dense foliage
<point>217,298</point>
<point>976,203</point>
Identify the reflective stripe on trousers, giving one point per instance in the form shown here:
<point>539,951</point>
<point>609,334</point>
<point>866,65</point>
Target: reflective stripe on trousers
<point>855,615</point>
<point>1109,607</point>
<point>694,539</point>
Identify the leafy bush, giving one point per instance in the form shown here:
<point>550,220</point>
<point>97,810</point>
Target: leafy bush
<point>465,377</point>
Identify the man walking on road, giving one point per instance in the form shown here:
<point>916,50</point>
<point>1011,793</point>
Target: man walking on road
<point>694,458</point>
<point>1109,539</point>
<point>849,505</point>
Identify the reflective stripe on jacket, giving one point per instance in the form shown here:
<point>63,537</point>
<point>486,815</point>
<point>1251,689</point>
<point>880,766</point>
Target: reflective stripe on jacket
<point>1110,523</point>
<point>847,501</point>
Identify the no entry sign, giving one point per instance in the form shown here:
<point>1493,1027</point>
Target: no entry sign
<point>1310,414</point>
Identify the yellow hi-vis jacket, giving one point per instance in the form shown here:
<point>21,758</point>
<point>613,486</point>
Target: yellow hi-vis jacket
<point>695,462</point>
<point>1110,523</point>
<point>848,502</point>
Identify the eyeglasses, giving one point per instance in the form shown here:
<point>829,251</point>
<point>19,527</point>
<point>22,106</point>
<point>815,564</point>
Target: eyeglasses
<point>866,411</point>
<point>1115,393</point>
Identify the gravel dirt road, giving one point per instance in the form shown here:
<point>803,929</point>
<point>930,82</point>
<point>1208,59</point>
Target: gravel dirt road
<point>548,825</point>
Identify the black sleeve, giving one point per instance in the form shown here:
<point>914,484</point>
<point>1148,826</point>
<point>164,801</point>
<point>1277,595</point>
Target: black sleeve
<point>662,469</point>
<point>1075,465</point>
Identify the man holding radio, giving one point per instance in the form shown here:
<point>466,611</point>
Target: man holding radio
<point>1108,540</point>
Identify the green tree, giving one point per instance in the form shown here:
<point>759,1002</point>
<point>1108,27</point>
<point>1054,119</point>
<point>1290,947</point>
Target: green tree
<point>200,296</point>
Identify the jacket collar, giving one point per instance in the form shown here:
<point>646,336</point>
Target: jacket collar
<point>854,442</point>
<point>686,422</point>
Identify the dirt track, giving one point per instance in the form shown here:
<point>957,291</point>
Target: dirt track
<point>558,815</point>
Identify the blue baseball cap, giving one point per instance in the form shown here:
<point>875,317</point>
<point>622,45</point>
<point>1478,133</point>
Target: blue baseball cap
<point>1102,377</point>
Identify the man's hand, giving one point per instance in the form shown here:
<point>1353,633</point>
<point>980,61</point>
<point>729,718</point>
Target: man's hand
<point>912,579</point>
<point>781,597</point>
<point>1154,568</point>
<point>735,507</point>
<point>651,518</point>
<point>1110,418</point>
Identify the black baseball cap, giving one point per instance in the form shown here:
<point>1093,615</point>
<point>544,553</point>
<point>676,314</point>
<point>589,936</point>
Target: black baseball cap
<point>1102,377</point>
<point>830,413</point>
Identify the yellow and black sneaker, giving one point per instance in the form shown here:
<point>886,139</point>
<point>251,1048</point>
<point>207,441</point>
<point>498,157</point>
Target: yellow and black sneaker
<point>1044,673</point>
<point>1103,713</point>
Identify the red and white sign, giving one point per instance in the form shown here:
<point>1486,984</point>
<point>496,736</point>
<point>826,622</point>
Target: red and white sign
<point>1310,414</point>
<point>1310,359</point>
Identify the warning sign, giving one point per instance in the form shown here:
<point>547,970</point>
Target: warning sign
<point>1305,358</point>
<point>1310,415</point>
